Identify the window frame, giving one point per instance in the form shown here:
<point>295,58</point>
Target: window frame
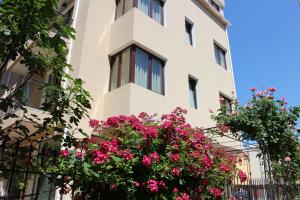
<point>218,49</point>
<point>226,100</point>
<point>215,5</point>
<point>194,89</point>
<point>135,5</point>
<point>189,32</point>
<point>132,66</point>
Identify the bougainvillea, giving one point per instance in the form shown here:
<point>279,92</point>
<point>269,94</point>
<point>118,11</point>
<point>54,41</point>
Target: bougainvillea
<point>143,157</point>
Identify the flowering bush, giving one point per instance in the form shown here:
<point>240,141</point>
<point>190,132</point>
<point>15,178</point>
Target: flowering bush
<point>270,123</point>
<point>142,157</point>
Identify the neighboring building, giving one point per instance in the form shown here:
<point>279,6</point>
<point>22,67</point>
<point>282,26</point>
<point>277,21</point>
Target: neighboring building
<point>147,55</point>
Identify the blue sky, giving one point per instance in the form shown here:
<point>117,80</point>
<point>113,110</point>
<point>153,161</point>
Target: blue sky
<point>265,44</point>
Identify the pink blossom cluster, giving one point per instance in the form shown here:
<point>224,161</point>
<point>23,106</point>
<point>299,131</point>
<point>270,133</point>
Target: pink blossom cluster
<point>99,157</point>
<point>225,168</point>
<point>183,196</point>
<point>216,192</point>
<point>168,149</point>
<point>243,177</point>
<point>149,159</point>
<point>154,185</point>
<point>207,162</point>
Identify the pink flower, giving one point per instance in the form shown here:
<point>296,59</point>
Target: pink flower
<point>287,159</point>
<point>200,190</point>
<point>147,162</point>
<point>93,123</point>
<point>112,122</point>
<point>162,184</point>
<point>154,156</point>
<point>272,89</point>
<point>253,89</point>
<point>64,153</point>
<point>143,115</point>
<point>136,184</point>
<point>150,132</point>
<point>221,99</point>
<point>113,187</point>
<point>207,162</point>
<point>79,155</point>
<point>223,128</point>
<point>260,94</point>
<point>205,181</point>
<point>224,168</point>
<point>184,196</point>
<point>153,185</point>
<point>210,110</point>
<point>176,171</point>
<point>175,157</point>
<point>216,192</point>
<point>127,155</point>
<point>242,175</point>
<point>99,157</point>
<point>175,190</point>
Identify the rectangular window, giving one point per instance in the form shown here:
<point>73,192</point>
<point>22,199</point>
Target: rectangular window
<point>224,101</point>
<point>141,68</point>
<point>151,8</point>
<point>215,5</point>
<point>123,6</point>
<point>137,66</point>
<point>188,33</point>
<point>192,93</point>
<point>220,55</point>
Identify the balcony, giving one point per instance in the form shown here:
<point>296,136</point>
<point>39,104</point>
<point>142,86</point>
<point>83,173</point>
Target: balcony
<point>135,27</point>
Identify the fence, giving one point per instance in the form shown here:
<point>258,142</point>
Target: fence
<point>261,189</point>
<point>22,180</point>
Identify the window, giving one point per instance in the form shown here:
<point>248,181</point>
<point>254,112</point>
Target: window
<point>123,6</point>
<point>215,5</point>
<point>220,55</point>
<point>224,101</point>
<point>188,33</point>
<point>192,93</point>
<point>69,16</point>
<point>151,8</point>
<point>137,66</point>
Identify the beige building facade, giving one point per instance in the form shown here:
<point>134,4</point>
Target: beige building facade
<point>184,47</point>
<point>149,56</point>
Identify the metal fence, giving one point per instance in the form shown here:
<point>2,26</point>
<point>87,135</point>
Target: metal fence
<point>22,180</point>
<point>261,189</point>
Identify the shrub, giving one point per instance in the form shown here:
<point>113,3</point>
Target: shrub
<point>143,157</point>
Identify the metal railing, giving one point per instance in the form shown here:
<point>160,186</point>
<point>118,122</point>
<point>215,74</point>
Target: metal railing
<point>260,189</point>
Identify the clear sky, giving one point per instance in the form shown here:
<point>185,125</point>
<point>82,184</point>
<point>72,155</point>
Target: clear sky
<point>265,44</point>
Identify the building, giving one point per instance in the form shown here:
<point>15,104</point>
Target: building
<point>147,55</point>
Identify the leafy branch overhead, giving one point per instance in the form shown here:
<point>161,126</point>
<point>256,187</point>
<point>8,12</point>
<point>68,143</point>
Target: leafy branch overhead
<point>34,35</point>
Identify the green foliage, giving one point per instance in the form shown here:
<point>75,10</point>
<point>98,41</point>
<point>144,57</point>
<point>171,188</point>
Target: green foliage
<point>33,34</point>
<point>268,121</point>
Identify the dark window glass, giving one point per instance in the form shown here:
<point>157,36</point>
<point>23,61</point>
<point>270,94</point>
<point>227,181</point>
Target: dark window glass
<point>192,93</point>
<point>220,55</point>
<point>137,66</point>
<point>216,6</point>
<point>188,33</point>
<point>68,16</point>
